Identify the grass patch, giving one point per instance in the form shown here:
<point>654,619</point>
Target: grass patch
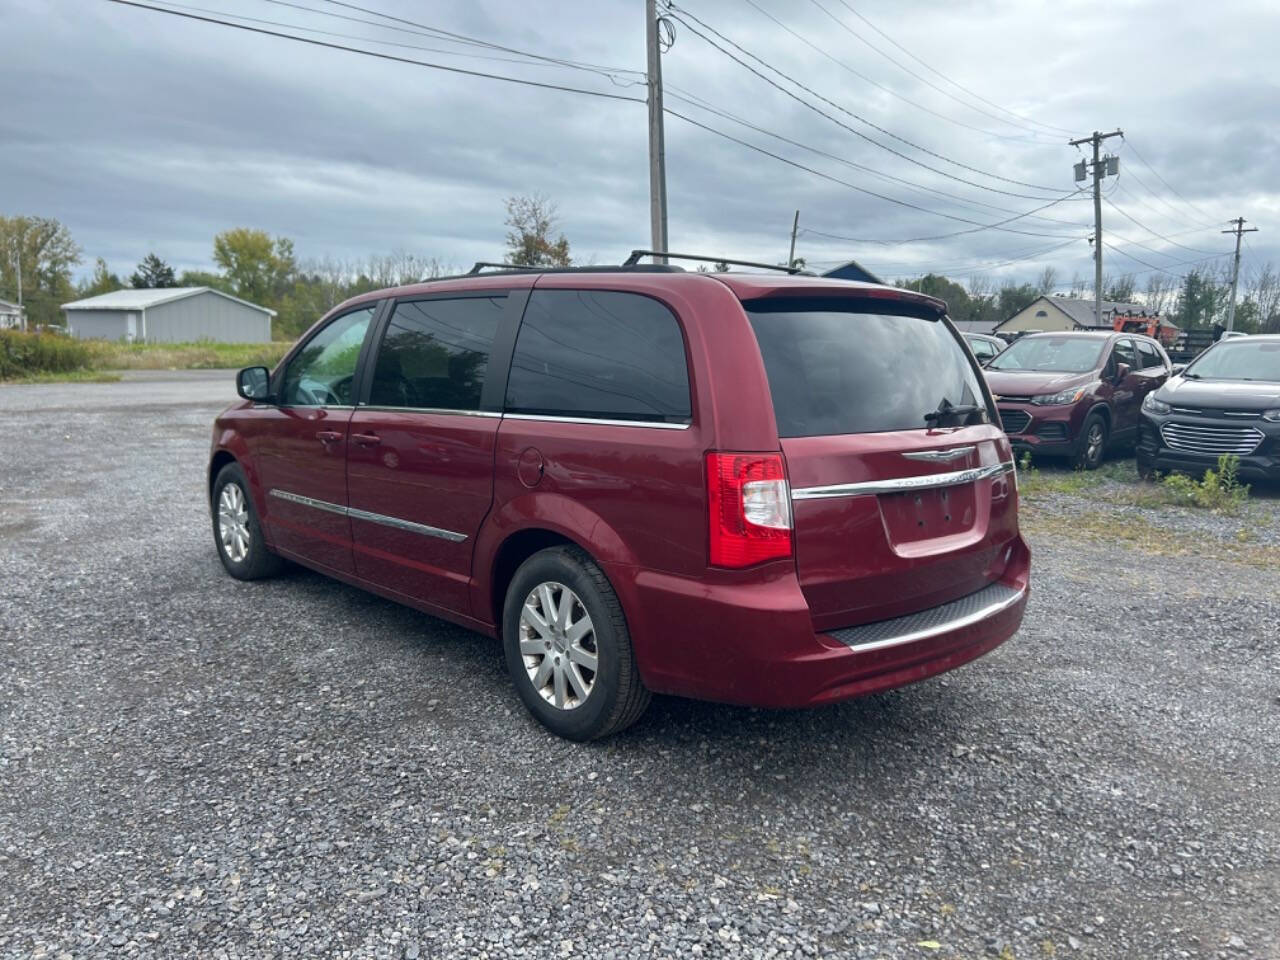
<point>1151,538</point>
<point>42,357</point>
<point>31,354</point>
<point>1219,491</point>
<point>204,355</point>
<point>70,376</point>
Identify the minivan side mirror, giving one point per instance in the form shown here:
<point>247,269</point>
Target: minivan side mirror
<point>1122,371</point>
<point>1176,369</point>
<point>254,383</point>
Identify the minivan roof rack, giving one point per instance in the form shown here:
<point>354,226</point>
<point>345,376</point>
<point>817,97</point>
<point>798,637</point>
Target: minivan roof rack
<point>481,265</point>
<point>490,269</point>
<point>634,260</point>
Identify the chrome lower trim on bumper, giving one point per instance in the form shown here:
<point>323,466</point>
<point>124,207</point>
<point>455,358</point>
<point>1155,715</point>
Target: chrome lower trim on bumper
<point>990,600</point>
<point>386,521</point>
<point>928,481</point>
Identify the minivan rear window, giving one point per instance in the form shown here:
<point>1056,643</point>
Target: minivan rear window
<point>837,368</point>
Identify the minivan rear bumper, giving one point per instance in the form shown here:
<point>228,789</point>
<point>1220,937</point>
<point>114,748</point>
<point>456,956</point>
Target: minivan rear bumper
<point>755,645</point>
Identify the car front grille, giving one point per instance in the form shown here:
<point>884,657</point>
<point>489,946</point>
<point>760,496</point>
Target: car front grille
<point>1211,439</point>
<point>1015,421</point>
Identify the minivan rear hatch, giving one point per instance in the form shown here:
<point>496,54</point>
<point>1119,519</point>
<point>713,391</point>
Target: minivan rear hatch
<point>902,489</point>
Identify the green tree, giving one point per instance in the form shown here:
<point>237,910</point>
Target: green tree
<point>102,281</point>
<point>531,220</point>
<point>1199,301</point>
<point>203,278</point>
<point>47,252</point>
<point>152,272</point>
<point>257,268</point>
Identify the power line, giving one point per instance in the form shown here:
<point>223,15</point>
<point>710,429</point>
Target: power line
<point>1129,143</point>
<point>703,104</point>
<point>538,62</point>
<point>1000,225</point>
<point>1143,226</point>
<point>858,133</point>
<point>381,56</point>
<point>934,70</point>
<point>1152,266</point>
<point>880,86</point>
<point>933,86</point>
<point>437,31</point>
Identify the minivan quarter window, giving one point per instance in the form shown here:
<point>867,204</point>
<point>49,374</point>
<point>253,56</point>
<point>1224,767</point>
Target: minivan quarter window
<point>321,374</point>
<point>599,354</point>
<point>434,353</point>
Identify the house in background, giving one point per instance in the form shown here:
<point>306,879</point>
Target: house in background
<point>169,315</point>
<point>10,315</point>
<point>1067,313</point>
<point>852,270</point>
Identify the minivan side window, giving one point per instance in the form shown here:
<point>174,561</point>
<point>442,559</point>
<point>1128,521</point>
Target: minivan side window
<point>435,353</point>
<point>1123,353</point>
<point>321,373</point>
<point>599,354</point>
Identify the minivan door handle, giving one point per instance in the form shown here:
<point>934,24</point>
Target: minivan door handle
<point>328,436</point>
<point>366,439</point>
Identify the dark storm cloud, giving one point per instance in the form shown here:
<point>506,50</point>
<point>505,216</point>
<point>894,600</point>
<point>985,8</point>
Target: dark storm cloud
<point>143,132</point>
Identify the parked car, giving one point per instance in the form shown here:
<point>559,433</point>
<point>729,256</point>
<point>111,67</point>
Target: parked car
<point>1075,394</point>
<point>983,346</point>
<point>771,490</point>
<point>1226,401</point>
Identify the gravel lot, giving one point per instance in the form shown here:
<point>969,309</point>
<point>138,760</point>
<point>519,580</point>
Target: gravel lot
<point>194,766</point>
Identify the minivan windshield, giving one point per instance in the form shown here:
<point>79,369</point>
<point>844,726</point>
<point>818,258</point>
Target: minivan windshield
<point>835,368</point>
<point>1238,360</point>
<point>1051,354</point>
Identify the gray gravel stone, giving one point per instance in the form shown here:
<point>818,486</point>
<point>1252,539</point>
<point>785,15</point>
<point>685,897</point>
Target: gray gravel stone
<point>192,766</point>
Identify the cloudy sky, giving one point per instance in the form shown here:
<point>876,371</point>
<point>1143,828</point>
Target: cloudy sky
<point>148,132</point>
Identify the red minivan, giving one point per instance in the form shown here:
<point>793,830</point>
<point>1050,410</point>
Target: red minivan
<point>779,491</point>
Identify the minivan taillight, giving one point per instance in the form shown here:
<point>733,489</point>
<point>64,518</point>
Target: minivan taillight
<point>750,508</point>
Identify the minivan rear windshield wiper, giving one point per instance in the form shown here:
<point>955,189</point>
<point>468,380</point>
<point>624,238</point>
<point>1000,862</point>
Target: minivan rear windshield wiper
<point>947,409</point>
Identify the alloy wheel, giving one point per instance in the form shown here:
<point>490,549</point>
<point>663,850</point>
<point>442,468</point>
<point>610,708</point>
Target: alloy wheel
<point>558,645</point>
<point>233,523</point>
<point>1093,444</point>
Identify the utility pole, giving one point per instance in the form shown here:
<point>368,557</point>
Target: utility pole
<point>1239,230</point>
<point>791,255</point>
<point>657,148</point>
<point>1101,167</point>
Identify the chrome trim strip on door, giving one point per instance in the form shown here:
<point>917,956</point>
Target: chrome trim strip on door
<point>657,424</point>
<point>382,408</point>
<point>929,481</point>
<point>308,502</point>
<point>409,525</point>
<point>382,518</point>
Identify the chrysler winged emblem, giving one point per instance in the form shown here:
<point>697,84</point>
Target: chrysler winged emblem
<point>940,456</point>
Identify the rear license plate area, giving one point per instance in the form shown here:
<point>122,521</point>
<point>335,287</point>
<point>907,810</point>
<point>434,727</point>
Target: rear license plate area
<point>928,514</point>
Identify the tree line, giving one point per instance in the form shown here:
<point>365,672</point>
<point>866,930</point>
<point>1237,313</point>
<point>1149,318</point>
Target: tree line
<point>1198,299</point>
<point>255,266</point>
<point>250,264</point>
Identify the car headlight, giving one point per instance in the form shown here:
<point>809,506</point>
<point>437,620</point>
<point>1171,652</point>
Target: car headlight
<point>1151,405</point>
<point>1272,415</point>
<point>1070,395</point>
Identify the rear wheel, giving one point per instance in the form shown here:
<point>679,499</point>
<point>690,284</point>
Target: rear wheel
<point>1093,443</point>
<point>567,647</point>
<point>236,530</point>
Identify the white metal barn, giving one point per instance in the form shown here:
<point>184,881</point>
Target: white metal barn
<point>169,315</point>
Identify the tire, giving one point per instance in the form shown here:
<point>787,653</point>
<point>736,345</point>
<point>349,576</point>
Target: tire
<point>236,530</point>
<point>1092,447</point>
<point>550,666</point>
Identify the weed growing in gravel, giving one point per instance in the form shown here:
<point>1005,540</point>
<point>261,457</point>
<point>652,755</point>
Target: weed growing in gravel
<point>1220,490</point>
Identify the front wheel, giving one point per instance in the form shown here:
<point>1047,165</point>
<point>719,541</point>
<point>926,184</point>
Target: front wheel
<point>1093,443</point>
<point>567,647</point>
<point>236,529</point>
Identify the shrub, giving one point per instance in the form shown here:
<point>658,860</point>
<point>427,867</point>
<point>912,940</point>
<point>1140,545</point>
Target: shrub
<point>1219,489</point>
<point>26,354</point>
